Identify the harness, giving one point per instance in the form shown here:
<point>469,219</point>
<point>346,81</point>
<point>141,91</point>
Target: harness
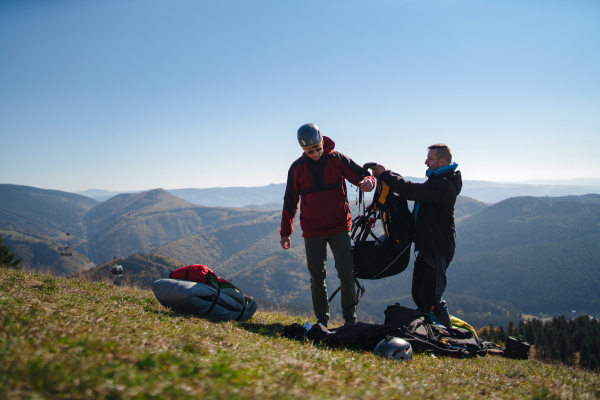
<point>377,257</point>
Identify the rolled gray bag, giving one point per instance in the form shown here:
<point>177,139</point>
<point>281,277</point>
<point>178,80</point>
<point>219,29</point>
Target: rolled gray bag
<point>204,300</point>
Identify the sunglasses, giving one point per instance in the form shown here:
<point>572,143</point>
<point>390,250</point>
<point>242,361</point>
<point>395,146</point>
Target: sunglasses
<point>319,149</point>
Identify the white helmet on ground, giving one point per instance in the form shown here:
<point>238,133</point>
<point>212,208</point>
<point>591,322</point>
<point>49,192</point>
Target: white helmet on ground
<point>394,348</point>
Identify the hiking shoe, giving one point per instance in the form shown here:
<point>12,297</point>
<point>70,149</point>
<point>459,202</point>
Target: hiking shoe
<point>324,323</point>
<point>350,323</point>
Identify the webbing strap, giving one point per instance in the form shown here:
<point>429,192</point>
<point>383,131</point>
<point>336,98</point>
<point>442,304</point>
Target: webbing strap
<point>396,259</point>
<point>362,225</point>
<point>214,303</point>
<point>360,291</point>
<point>334,293</point>
<point>243,310</point>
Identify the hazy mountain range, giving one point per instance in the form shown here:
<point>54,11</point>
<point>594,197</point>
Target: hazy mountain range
<point>527,255</point>
<point>271,196</point>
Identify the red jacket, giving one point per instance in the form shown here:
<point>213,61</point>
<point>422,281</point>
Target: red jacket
<point>321,188</point>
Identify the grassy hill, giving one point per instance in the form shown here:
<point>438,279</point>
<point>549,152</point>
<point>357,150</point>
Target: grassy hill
<point>67,338</point>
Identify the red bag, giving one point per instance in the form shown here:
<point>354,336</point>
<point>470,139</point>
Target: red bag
<point>202,274</point>
<point>197,273</point>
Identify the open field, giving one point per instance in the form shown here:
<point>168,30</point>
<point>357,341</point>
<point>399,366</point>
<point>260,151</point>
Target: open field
<point>69,339</point>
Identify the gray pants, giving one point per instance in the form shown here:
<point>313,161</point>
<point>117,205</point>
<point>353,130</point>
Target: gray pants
<point>316,258</point>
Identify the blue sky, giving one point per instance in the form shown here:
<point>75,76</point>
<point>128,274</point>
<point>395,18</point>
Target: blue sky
<point>140,94</point>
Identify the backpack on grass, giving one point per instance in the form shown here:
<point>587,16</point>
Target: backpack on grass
<point>422,335</point>
<point>198,290</point>
<point>425,335</point>
<point>517,347</point>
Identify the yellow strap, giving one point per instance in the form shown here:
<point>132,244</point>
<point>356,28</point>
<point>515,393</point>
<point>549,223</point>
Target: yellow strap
<point>462,324</point>
<point>384,192</point>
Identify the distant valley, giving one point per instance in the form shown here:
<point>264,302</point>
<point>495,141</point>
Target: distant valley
<point>533,255</point>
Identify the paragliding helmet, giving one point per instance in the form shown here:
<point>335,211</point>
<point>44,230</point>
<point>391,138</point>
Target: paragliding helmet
<point>394,348</point>
<point>309,135</point>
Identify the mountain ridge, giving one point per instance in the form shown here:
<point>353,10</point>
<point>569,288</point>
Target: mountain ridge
<point>485,191</point>
<point>496,244</point>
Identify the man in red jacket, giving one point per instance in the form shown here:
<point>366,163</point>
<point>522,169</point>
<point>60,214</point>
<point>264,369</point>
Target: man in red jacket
<point>318,180</point>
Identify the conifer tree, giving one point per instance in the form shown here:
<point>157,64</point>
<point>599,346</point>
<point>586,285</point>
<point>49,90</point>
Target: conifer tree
<point>502,335</point>
<point>511,329</point>
<point>7,257</point>
<point>542,345</point>
<point>526,329</point>
<point>589,357</point>
<point>565,348</point>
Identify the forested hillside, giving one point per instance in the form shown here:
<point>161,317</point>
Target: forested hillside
<point>539,253</point>
<point>37,221</point>
<point>50,213</point>
<point>41,254</point>
<point>143,221</point>
<point>574,342</point>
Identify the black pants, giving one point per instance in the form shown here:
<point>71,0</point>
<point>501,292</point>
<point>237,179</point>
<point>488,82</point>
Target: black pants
<point>429,284</point>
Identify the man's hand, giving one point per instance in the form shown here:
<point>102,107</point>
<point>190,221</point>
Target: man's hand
<point>367,184</point>
<point>285,242</point>
<point>377,169</point>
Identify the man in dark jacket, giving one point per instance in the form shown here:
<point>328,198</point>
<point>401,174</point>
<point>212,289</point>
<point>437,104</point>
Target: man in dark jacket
<point>435,231</point>
<point>318,180</point>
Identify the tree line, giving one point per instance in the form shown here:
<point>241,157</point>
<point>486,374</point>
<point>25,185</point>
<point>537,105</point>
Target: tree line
<point>574,342</point>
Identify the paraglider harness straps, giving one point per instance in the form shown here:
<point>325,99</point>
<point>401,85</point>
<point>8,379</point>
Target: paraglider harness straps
<point>243,309</point>
<point>214,303</point>
<point>360,291</point>
<point>364,224</point>
<point>367,217</point>
<point>362,228</point>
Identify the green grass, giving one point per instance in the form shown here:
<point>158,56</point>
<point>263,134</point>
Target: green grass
<point>70,339</point>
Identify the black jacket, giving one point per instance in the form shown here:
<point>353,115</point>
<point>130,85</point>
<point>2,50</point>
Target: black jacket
<point>435,231</point>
